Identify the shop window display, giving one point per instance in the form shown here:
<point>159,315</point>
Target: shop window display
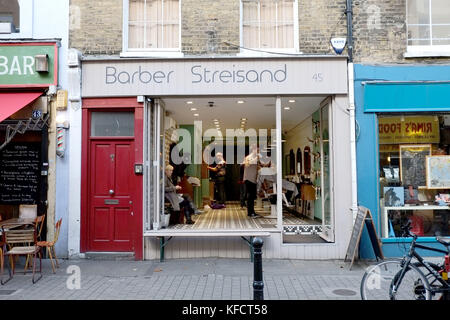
<point>414,173</point>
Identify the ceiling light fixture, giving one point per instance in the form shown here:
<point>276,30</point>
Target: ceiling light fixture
<point>196,114</point>
<point>193,109</point>
<point>189,102</point>
<point>291,101</point>
<point>287,108</point>
<point>240,101</point>
<point>243,119</point>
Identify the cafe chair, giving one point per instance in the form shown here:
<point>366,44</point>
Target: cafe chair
<point>50,245</point>
<point>39,223</point>
<point>28,211</point>
<point>21,243</point>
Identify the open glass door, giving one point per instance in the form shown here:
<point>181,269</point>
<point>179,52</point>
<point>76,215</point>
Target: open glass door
<point>327,183</point>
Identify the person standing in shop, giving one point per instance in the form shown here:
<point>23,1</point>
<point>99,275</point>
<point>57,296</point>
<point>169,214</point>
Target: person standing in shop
<point>219,182</point>
<point>251,163</point>
<point>241,183</point>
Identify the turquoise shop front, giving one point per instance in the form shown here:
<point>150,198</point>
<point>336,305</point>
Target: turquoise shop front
<point>403,115</point>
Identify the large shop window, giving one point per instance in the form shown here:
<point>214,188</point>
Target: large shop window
<point>269,24</point>
<point>414,173</point>
<point>428,24</point>
<point>153,25</point>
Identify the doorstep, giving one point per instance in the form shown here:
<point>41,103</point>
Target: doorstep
<point>109,255</point>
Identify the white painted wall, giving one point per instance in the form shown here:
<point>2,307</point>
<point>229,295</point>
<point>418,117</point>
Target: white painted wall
<point>50,20</point>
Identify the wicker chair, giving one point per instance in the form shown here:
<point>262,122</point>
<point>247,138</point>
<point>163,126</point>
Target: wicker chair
<point>50,245</point>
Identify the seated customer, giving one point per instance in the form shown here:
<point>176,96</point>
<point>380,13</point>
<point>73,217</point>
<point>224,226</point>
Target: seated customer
<point>176,200</point>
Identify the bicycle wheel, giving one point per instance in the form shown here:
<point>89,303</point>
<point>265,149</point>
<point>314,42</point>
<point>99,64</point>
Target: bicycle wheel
<point>377,283</point>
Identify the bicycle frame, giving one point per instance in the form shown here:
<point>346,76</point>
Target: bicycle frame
<point>407,261</point>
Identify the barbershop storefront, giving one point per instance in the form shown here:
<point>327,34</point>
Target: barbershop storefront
<point>141,115</point>
<point>27,138</point>
<point>403,115</point>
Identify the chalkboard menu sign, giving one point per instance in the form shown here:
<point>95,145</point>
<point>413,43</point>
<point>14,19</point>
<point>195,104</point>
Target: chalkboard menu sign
<point>364,217</point>
<point>20,173</point>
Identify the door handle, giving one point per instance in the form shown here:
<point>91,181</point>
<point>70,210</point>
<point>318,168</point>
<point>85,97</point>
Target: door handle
<point>111,192</point>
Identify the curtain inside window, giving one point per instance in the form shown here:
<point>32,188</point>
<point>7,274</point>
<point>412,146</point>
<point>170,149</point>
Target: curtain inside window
<point>171,24</point>
<point>136,24</point>
<point>268,24</point>
<point>250,27</point>
<point>153,24</point>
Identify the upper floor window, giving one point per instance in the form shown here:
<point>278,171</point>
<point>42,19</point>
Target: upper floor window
<point>152,25</point>
<point>9,16</point>
<point>269,24</point>
<point>16,19</point>
<point>428,24</point>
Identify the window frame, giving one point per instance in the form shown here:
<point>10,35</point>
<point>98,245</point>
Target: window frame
<point>26,21</point>
<point>268,51</point>
<point>147,52</point>
<point>431,50</point>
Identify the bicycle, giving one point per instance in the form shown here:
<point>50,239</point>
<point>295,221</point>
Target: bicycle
<point>402,279</point>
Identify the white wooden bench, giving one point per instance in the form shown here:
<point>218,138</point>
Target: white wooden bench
<point>162,234</point>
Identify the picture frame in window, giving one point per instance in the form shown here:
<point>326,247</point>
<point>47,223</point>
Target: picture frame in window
<point>412,164</point>
<point>437,172</point>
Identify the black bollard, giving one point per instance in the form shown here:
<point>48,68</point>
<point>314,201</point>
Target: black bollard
<point>258,283</point>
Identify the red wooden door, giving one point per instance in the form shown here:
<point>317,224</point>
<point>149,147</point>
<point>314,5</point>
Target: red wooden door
<point>111,220</point>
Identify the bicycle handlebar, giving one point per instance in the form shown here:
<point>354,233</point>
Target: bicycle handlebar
<point>406,230</point>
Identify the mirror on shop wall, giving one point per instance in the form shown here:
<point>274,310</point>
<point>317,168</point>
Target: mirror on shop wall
<point>292,162</point>
<point>307,160</point>
<point>299,161</point>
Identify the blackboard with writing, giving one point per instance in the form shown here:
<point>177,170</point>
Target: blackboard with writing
<point>364,217</point>
<point>20,173</point>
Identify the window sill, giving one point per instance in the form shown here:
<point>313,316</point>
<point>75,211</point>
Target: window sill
<point>16,35</point>
<point>152,54</point>
<point>428,239</point>
<point>267,52</point>
<point>423,52</point>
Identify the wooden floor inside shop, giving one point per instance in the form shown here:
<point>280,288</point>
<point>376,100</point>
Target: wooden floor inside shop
<point>233,217</point>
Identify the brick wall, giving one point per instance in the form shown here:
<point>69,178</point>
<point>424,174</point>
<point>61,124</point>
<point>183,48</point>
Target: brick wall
<point>96,26</point>
<point>319,21</point>
<point>379,30</point>
<point>207,26</point>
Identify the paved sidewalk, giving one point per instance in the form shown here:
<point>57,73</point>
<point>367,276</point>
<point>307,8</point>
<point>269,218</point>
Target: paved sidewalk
<point>188,279</point>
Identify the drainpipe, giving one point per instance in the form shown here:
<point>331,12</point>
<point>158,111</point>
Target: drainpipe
<point>349,12</point>
<point>351,98</point>
<point>351,109</point>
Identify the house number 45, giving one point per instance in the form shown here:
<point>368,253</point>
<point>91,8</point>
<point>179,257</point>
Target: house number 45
<point>318,77</point>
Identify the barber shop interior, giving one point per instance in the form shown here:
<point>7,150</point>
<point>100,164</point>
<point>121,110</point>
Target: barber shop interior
<point>220,165</point>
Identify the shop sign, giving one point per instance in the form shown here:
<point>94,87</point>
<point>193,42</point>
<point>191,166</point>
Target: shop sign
<point>408,129</point>
<point>229,76</point>
<point>18,64</point>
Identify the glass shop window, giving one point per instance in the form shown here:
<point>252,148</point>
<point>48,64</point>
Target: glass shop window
<point>414,175</point>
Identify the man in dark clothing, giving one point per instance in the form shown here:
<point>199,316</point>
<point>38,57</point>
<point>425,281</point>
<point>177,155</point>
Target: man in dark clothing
<point>242,189</point>
<point>219,181</point>
<point>250,178</point>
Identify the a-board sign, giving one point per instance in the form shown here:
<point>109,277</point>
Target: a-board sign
<point>20,173</point>
<point>364,217</point>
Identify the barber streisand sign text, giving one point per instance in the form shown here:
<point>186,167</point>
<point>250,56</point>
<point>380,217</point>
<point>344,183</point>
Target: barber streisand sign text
<point>221,76</point>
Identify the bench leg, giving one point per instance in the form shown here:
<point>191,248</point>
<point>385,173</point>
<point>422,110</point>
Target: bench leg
<point>250,244</point>
<point>252,250</point>
<point>161,249</point>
